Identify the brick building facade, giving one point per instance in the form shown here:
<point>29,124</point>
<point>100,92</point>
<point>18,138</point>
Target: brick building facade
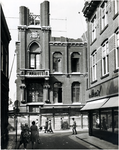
<point>51,71</point>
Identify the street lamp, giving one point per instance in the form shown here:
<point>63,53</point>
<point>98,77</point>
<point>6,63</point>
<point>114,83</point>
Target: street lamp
<point>16,111</point>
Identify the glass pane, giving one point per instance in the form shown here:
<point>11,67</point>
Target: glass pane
<point>106,120</point>
<point>77,97</point>
<point>38,61</point>
<point>107,63</point>
<point>116,123</point>
<point>59,65</point>
<point>117,39</point>
<point>35,92</point>
<point>75,92</point>
<point>104,65</point>
<point>96,120</point>
<point>32,61</point>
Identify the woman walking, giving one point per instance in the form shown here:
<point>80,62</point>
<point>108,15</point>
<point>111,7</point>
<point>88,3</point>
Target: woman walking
<point>34,133</point>
<point>24,137</point>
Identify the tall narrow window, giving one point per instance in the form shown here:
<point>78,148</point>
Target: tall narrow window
<point>93,28</point>
<point>57,93</point>
<point>35,92</point>
<point>75,92</point>
<point>57,62</point>
<point>104,13</point>
<point>35,56</point>
<point>117,48</point>
<point>94,65</point>
<point>75,59</point>
<point>105,58</point>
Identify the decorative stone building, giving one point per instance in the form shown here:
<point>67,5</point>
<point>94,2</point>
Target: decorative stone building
<point>5,39</point>
<point>51,71</point>
<point>103,66</point>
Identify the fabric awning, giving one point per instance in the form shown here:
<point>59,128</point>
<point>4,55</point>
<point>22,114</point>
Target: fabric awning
<point>112,102</point>
<point>94,104</point>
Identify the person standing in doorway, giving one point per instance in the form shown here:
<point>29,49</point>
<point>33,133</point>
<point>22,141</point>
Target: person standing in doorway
<point>74,127</point>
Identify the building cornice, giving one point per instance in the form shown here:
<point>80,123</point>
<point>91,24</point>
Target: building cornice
<point>90,8</point>
<point>58,43</point>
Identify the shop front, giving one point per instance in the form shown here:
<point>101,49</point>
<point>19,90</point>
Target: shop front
<point>103,118</point>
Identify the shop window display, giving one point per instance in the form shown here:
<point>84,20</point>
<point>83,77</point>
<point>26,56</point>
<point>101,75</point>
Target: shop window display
<point>116,124</point>
<point>106,120</point>
<point>96,120</point>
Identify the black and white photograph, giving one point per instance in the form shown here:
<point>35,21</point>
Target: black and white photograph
<point>59,74</point>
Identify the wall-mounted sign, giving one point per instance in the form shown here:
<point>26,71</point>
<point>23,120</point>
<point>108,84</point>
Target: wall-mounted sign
<point>95,93</point>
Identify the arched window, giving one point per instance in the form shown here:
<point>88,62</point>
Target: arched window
<point>57,62</point>
<point>35,92</point>
<point>75,92</point>
<point>57,93</point>
<point>35,56</point>
<point>75,59</point>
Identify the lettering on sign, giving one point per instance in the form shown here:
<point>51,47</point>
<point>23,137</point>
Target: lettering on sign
<point>95,93</point>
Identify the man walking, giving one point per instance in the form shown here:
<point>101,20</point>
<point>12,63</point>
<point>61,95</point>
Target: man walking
<point>74,127</point>
<point>46,125</point>
<point>61,123</point>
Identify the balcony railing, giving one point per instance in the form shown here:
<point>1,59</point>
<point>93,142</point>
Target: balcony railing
<point>33,73</point>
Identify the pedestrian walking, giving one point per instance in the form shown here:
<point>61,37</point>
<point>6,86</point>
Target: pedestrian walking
<point>61,123</point>
<point>50,127</point>
<point>34,133</point>
<point>74,127</point>
<point>46,125</point>
<point>25,136</point>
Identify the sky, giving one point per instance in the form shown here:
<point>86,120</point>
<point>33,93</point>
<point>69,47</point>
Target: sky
<point>66,19</point>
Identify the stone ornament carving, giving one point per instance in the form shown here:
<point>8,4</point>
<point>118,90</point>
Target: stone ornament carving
<point>34,35</point>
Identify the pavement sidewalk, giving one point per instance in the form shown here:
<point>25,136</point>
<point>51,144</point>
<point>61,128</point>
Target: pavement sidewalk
<point>96,142</point>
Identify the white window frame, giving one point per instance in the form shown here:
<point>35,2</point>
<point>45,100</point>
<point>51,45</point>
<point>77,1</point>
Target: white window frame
<point>115,6</point>
<point>117,48</point>
<point>104,13</point>
<point>94,66</point>
<point>94,28</point>
<point>105,58</point>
